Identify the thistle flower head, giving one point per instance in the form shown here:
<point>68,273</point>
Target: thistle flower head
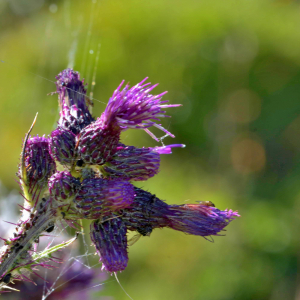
<point>131,163</point>
<point>62,186</point>
<point>38,163</point>
<point>98,197</point>
<point>128,108</point>
<point>149,212</point>
<point>199,219</point>
<point>74,119</point>
<point>74,110</point>
<point>146,213</point>
<point>96,144</point>
<point>135,107</point>
<point>62,146</point>
<point>109,238</point>
<point>71,90</point>
<point>101,190</point>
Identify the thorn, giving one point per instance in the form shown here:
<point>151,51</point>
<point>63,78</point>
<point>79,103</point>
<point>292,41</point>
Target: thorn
<point>74,222</point>
<point>54,236</point>
<point>17,181</point>
<point>24,208</point>
<point>10,288</point>
<point>48,266</point>
<point>23,169</point>
<point>28,279</point>
<point>39,276</point>
<point>10,223</point>
<point>52,93</point>
<point>56,258</point>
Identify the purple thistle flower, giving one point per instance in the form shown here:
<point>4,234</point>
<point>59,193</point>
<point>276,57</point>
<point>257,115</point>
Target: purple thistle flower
<point>62,186</point>
<point>62,146</point>
<point>130,108</point>
<point>135,107</point>
<point>101,190</point>
<point>73,281</point>
<point>38,163</point>
<point>74,119</point>
<point>74,111</point>
<point>130,163</point>
<point>77,281</point>
<point>199,219</point>
<point>98,197</point>
<point>95,144</point>
<point>109,238</point>
<point>148,212</point>
<point>71,90</point>
<point>167,149</point>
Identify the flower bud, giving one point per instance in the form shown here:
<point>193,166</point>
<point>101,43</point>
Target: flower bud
<point>148,212</point>
<point>62,186</point>
<point>109,238</point>
<point>98,197</point>
<point>71,90</point>
<point>39,166</point>
<point>62,145</point>
<point>95,144</point>
<point>199,219</point>
<point>74,110</point>
<point>130,163</point>
<point>74,119</point>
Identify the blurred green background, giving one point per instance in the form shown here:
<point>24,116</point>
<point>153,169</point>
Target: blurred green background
<point>235,67</point>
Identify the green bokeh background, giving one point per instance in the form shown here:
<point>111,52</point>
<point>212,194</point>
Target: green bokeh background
<point>235,67</point>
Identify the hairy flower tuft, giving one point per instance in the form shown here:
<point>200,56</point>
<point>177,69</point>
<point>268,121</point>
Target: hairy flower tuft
<point>167,149</point>
<point>135,107</point>
<point>132,108</point>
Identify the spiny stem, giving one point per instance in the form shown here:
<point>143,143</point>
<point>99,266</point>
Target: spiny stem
<point>16,253</point>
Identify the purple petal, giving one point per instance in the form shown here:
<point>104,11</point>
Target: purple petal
<point>135,107</point>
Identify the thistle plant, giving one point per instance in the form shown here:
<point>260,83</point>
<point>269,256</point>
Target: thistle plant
<point>83,171</point>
